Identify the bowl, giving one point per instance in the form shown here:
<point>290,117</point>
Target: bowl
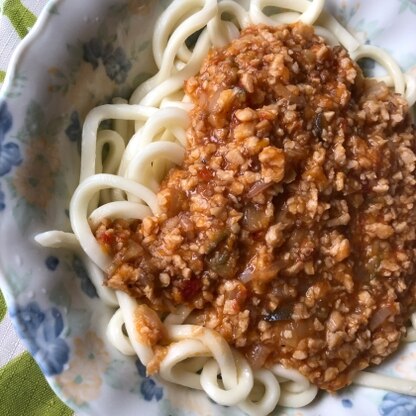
<point>79,55</point>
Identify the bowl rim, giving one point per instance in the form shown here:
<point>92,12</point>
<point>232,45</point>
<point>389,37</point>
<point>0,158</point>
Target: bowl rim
<point>14,62</point>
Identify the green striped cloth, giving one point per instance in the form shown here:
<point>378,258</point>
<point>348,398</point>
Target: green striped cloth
<point>23,388</point>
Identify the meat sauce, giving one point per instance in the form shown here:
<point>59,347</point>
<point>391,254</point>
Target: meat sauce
<point>290,226</point>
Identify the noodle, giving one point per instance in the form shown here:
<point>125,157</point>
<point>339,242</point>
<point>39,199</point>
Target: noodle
<point>125,182</point>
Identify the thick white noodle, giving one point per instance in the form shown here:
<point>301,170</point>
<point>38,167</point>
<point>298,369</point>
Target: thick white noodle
<point>238,380</point>
<point>312,13</point>
<point>222,33</point>
<point>285,18</point>
<point>121,126</point>
<point>296,400</point>
<point>310,10</point>
<point>115,149</point>
<point>385,60</point>
<point>79,210</point>
<point>183,57</point>
<point>194,364</point>
<point>168,102</point>
<point>186,28</point>
<point>172,84</point>
<point>327,35</point>
<point>128,307</point>
<point>233,393</point>
<point>170,151</point>
<point>411,335</point>
<point>190,341</point>
<point>297,391</point>
<point>167,23</point>
<point>172,368</point>
<point>219,348</point>
<point>116,335</point>
<point>410,93</point>
<point>411,332</point>
<point>268,400</point>
<point>92,122</point>
<point>236,11</point>
<point>60,239</point>
<point>381,381</point>
<point>413,319</point>
<point>297,382</point>
<point>166,118</point>
<point>345,38</point>
<point>119,209</point>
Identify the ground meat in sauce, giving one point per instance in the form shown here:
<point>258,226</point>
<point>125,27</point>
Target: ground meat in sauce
<point>290,227</point>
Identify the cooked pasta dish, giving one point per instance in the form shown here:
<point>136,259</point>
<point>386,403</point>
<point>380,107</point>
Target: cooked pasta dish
<point>250,216</point>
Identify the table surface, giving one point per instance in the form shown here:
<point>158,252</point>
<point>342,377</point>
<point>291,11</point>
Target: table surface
<point>23,388</point>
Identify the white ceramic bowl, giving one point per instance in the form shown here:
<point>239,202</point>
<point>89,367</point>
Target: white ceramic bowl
<point>80,54</point>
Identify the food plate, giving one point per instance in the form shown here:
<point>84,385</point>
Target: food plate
<point>79,55</point>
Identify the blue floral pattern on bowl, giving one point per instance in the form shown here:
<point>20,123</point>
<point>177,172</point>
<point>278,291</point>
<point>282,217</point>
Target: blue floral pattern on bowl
<point>148,387</point>
<point>394,404</point>
<point>347,403</point>
<point>82,382</point>
<point>74,129</point>
<point>408,5</point>
<point>2,200</point>
<point>52,263</point>
<point>115,61</point>
<point>42,331</point>
<point>86,285</point>
<point>9,151</point>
